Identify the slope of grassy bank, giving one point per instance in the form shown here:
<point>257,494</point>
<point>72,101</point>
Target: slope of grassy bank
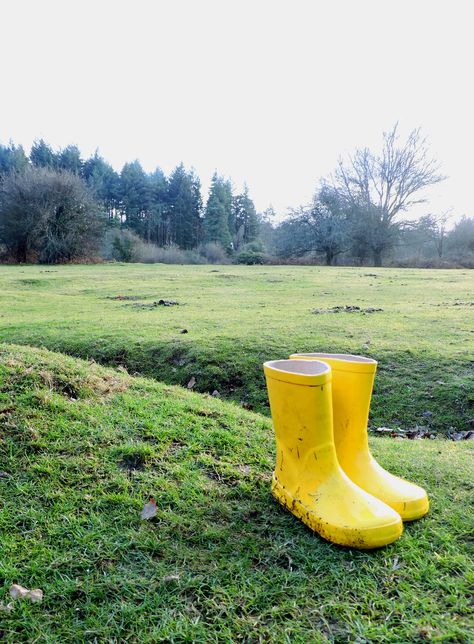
<point>83,447</point>
<point>235,317</point>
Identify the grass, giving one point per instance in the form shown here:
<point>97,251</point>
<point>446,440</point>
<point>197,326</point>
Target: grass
<point>237,316</point>
<point>81,449</point>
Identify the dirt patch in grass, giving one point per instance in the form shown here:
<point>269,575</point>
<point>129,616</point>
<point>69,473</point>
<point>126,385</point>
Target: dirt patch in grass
<point>348,308</point>
<point>133,461</point>
<point>153,305</point>
<point>179,357</point>
<point>229,276</point>
<point>79,386</point>
<point>66,378</point>
<point>64,387</point>
<point>35,283</point>
<point>134,456</point>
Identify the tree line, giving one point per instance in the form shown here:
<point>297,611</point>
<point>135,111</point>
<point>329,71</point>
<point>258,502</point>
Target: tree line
<point>55,206</point>
<point>158,209</point>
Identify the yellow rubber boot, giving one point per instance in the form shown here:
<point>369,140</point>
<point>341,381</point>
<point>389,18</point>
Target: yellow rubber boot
<point>353,380</point>
<point>308,480</point>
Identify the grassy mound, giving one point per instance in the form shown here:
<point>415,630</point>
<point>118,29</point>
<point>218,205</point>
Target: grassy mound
<point>82,448</point>
<point>229,319</point>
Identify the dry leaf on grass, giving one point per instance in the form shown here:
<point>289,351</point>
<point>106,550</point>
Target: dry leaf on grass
<point>20,592</point>
<point>149,509</point>
<point>35,595</point>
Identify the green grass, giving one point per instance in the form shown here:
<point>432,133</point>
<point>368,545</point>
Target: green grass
<point>83,447</point>
<point>239,316</point>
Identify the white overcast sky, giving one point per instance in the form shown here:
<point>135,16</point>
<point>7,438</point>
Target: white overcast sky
<point>264,91</point>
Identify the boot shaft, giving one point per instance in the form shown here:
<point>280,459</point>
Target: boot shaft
<point>352,385</point>
<point>300,398</point>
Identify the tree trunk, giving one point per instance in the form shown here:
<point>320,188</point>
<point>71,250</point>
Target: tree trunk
<point>440,247</point>
<point>21,253</point>
<point>329,258</point>
<point>377,258</point>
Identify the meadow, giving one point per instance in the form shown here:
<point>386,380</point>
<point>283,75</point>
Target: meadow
<point>83,446</point>
<point>229,319</point>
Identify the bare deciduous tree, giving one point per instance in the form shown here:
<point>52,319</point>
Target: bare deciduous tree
<point>434,228</point>
<point>380,187</point>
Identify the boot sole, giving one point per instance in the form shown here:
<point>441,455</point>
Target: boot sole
<point>363,539</point>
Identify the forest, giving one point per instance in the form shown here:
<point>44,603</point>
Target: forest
<point>56,206</point>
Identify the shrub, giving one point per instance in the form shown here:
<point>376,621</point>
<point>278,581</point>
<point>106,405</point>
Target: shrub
<point>213,253</point>
<point>124,246</point>
<point>151,254</point>
<point>250,257</point>
<point>48,216</point>
<point>251,253</point>
<point>255,246</point>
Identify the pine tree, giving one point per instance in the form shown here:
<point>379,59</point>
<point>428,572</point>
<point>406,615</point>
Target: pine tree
<point>157,228</point>
<point>197,208</point>
<point>69,158</point>
<point>135,197</point>
<point>244,219</point>
<point>184,207</point>
<point>12,159</point>
<point>104,183</point>
<point>41,155</point>
<point>219,213</point>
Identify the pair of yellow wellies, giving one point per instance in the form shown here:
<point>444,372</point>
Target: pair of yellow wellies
<point>325,474</point>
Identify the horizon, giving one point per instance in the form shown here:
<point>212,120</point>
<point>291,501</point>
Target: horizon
<point>259,94</point>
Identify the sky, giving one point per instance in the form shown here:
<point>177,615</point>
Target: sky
<point>266,92</point>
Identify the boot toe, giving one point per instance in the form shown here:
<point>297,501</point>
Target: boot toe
<point>363,535</point>
<point>344,514</point>
<point>368,534</point>
<point>381,535</point>
<point>406,498</point>
<point>414,507</point>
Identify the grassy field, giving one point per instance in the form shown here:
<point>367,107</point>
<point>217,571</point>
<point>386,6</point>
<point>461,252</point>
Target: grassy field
<point>82,448</point>
<point>238,316</point>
